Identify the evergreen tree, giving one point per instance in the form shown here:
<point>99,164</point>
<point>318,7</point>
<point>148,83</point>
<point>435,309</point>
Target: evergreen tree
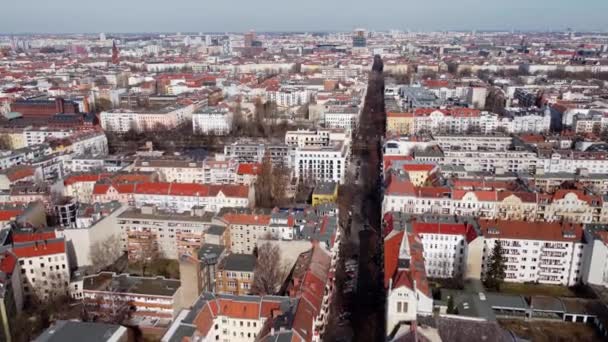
<point>495,273</point>
<point>451,308</point>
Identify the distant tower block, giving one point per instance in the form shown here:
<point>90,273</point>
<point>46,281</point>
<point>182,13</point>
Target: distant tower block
<point>102,37</point>
<point>115,57</point>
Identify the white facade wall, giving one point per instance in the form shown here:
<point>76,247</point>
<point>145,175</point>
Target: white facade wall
<point>45,276</point>
<point>545,262</point>
<point>321,165</point>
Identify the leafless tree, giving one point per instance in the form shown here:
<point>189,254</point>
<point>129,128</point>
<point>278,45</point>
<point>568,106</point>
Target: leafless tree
<point>271,184</point>
<point>269,273</point>
<point>5,143</point>
<point>106,252</point>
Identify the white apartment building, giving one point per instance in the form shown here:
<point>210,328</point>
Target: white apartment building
<point>492,161</point>
<point>573,161</point>
<point>38,135</point>
<point>90,232</point>
<point>494,142</point>
<point>212,120</point>
<point>322,164</point>
<point>122,120</point>
<point>209,171</point>
<point>595,263</point>
<point>344,117</point>
<point>89,143</point>
<point>172,170</point>
<point>445,247</point>
<point>180,197</point>
<point>527,123</point>
<point>539,252</point>
<point>321,137</point>
<point>289,97</point>
<point>44,266</point>
<point>228,317</point>
<point>154,297</point>
<point>247,229</point>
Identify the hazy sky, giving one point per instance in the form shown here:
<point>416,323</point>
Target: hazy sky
<point>293,15</point>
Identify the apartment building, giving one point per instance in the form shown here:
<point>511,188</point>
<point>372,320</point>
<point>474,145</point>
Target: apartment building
<point>123,120</point>
<point>322,164</point>
<point>150,232</point>
<point>227,318</point>
<point>95,224</point>
<point>246,151</point>
<point>246,230</point>
<point>212,120</point>
<point>172,170</point>
<point>97,163</point>
<point>321,137</point>
<point>176,197</point>
<point>492,161</point>
<point>44,265</point>
<point>541,252</point>
<point>342,117</point>
<point>234,275</point>
<point>564,205</point>
<point>38,135</point>
<point>445,247</point>
<point>473,142</point>
<point>595,262</point>
<point>154,297</point>
<point>289,97</point>
<point>463,120</point>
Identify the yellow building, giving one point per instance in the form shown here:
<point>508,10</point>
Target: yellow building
<point>14,138</point>
<point>419,174</point>
<point>399,123</point>
<point>326,192</point>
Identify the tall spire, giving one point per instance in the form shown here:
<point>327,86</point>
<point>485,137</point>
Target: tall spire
<point>115,57</point>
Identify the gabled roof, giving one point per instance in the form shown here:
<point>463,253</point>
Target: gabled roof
<point>392,243</point>
<point>525,230</point>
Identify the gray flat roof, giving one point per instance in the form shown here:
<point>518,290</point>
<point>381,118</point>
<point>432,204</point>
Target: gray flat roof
<point>78,331</point>
<point>546,303</point>
<point>239,263</point>
<point>506,301</point>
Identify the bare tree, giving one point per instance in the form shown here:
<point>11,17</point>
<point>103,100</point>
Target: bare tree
<point>271,184</point>
<point>269,273</point>
<point>106,252</point>
<point>5,143</point>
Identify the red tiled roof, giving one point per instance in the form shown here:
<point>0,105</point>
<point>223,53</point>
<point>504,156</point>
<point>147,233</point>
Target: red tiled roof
<point>87,177</point>
<point>19,172</point>
<point>8,262</point>
<point>418,167</point>
<point>392,243</point>
<point>489,196</point>
<point>7,215</point>
<point>525,230</point>
<point>238,309</point>
<point>249,169</point>
<point>400,187</point>
<point>29,237</point>
<point>41,249</point>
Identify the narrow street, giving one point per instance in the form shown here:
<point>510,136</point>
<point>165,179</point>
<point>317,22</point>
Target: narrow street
<point>359,307</point>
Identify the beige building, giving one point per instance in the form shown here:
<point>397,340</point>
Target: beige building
<point>150,232</point>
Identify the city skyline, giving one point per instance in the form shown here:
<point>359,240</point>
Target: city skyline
<point>313,16</point>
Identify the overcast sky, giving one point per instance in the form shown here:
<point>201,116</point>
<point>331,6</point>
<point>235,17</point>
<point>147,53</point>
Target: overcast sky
<point>66,16</point>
